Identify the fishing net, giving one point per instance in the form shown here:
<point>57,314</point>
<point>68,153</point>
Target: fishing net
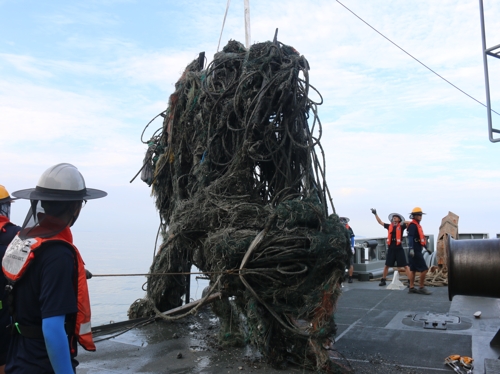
<point>241,191</point>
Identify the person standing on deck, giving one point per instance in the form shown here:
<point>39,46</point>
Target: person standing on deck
<point>416,244</point>
<point>345,221</point>
<point>395,253</point>
<point>7,232</point>
<point>50,302</point>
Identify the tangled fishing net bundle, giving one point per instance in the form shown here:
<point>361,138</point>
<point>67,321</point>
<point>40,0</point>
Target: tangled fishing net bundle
<point>242,193</point>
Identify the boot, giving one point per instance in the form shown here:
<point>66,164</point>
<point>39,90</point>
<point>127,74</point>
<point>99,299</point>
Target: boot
<point>382,282</point>
<point>350,279</point>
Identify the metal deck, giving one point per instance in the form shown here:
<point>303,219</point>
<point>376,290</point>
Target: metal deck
<point>379,331</point>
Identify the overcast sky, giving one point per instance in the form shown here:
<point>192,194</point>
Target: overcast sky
<point>79,80</point>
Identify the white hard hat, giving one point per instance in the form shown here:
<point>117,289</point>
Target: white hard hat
<point>401,218</point>
<point>61,182</point>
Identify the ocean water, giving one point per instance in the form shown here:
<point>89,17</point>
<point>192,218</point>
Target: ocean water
<point>115,236</point>
<point>111,297</point>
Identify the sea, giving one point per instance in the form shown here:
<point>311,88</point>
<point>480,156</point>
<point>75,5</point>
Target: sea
<point>116,239</point>
<point>114,261</point>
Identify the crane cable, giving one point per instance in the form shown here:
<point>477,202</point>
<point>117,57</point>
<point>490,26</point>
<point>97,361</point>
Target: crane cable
<point>416,59</point>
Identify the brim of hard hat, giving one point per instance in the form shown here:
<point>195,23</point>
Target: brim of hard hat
<point>344,219</point>
<point>396,214</point>
<point>7,200</point>
<point>416,213</point>
<point>55,195</point>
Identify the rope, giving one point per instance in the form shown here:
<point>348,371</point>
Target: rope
<point>435,277</point>
<point>416,59</point>
<point>238,155</point>
<point>193,311</point>
<point>232,272</point>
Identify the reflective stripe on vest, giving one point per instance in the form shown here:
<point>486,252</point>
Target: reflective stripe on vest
<point>20,253</point>
<point>398,234</point>
<point>420,232</point>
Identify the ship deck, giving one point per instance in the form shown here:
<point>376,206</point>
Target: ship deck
<point>379,331</point>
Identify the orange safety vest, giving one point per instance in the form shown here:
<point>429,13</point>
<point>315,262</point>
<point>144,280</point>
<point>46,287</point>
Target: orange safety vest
<point>4,221</point>
<point>420,232</point>
<point>398,234</point>
<point>14,266</point>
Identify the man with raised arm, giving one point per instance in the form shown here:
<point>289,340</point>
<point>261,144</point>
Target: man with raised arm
<point>395,253</point>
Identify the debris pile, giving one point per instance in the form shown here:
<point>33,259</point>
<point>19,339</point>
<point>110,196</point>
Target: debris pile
<point>242,195</point>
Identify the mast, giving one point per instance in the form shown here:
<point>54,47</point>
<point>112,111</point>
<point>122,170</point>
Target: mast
<point>247,24</point>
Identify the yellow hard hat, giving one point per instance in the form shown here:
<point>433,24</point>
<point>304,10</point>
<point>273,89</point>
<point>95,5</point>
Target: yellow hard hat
<point>417,210</point>
<point>4,195</point>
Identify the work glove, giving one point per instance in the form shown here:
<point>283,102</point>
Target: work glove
<point>412,252</point>
<point>428,250</point>
<point>353,250</point>
<point>374,211</point>
<point>88,274</point>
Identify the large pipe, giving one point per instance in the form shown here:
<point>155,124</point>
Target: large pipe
<point>473,267</point>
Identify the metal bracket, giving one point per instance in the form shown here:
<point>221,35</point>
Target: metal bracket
<point>436,321</point>
<point>436,325</point>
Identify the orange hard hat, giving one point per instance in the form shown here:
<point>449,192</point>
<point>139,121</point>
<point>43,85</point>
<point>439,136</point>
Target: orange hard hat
<point>4,195</point>
<point>417,210</point>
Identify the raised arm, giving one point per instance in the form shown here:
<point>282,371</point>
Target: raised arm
<point>374,211</point>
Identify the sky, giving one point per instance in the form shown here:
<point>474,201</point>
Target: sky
<point>79,80</point>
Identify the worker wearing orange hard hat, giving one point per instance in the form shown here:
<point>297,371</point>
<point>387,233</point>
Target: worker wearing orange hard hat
<point>416,245</point>
<point>7,232</point>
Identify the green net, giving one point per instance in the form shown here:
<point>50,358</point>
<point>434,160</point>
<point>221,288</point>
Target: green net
<point>241,189</point>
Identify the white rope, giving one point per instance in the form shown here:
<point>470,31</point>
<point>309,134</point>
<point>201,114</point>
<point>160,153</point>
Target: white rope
<point>223,23</point>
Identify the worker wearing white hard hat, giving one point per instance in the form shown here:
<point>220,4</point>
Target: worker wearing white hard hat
<point>395,253</point>
<point>51,307</point>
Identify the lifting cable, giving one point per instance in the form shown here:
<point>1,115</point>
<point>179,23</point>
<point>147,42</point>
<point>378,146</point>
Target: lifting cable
<point>416,59</point>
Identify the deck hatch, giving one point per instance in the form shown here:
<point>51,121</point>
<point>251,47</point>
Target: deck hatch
<point>436,321</point>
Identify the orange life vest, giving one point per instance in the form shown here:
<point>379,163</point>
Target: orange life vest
<point>19,255</point>
<point>398,234</point>
<point>420,232</point>
<point>3,222</point>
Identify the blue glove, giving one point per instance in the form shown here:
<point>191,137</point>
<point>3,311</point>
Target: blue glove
<point>57,344</point>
